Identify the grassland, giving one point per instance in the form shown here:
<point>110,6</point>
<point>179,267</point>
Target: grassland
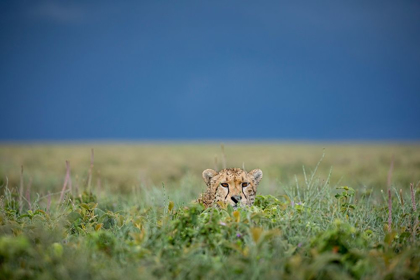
<point>129,214</point>
<point>122,167</point>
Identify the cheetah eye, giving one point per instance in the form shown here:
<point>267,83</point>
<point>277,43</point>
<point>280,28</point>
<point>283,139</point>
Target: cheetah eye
<point>244,185</point>
<point>225,185</point>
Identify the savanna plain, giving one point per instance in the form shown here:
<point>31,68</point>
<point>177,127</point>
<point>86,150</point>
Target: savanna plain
<point>127,210</point>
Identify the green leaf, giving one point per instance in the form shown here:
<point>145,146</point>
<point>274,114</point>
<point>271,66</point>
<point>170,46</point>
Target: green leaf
<point>84,205</point>
<point>73,216</point>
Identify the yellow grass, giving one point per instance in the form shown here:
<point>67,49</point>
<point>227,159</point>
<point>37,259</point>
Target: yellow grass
<point>124,167</point>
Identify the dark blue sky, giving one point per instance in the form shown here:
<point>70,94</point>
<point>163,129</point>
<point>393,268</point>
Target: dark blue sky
<point>323,70</point>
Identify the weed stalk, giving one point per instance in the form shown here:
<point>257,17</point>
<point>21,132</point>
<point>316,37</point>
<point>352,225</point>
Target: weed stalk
<point>389,180</point>
<point>92,155</point>
<point>28,193</point>
<point>402,199</point>
<point>66,179</point>
<point>389,210</point>
<point>21,190</point>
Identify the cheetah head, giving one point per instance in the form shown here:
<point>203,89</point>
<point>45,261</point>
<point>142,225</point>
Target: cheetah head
<point>233,186</point>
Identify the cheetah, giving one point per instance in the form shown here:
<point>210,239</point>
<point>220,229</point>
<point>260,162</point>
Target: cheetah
<point>232,186</point>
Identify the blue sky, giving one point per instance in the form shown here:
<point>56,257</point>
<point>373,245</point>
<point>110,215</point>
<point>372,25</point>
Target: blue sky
<point>144,70</point>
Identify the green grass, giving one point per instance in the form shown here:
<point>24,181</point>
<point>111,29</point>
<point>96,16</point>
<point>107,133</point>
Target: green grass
<point>137,220</point>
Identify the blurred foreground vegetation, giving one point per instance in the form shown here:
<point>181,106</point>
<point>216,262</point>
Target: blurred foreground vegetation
<point>131,214</point>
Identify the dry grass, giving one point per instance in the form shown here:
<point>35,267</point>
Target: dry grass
<point>122,167</point>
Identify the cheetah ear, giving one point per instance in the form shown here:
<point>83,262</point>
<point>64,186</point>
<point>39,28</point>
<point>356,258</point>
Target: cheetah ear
<point>257,174</point>
<point>208,174</point>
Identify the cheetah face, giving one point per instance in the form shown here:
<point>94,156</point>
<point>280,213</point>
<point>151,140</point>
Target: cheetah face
<point>233,186</point>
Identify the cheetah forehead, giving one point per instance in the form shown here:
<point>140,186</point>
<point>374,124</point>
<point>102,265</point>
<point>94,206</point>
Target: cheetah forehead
<point>233,174</point>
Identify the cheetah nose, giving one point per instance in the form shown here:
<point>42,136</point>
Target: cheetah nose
<point>236,198</point>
